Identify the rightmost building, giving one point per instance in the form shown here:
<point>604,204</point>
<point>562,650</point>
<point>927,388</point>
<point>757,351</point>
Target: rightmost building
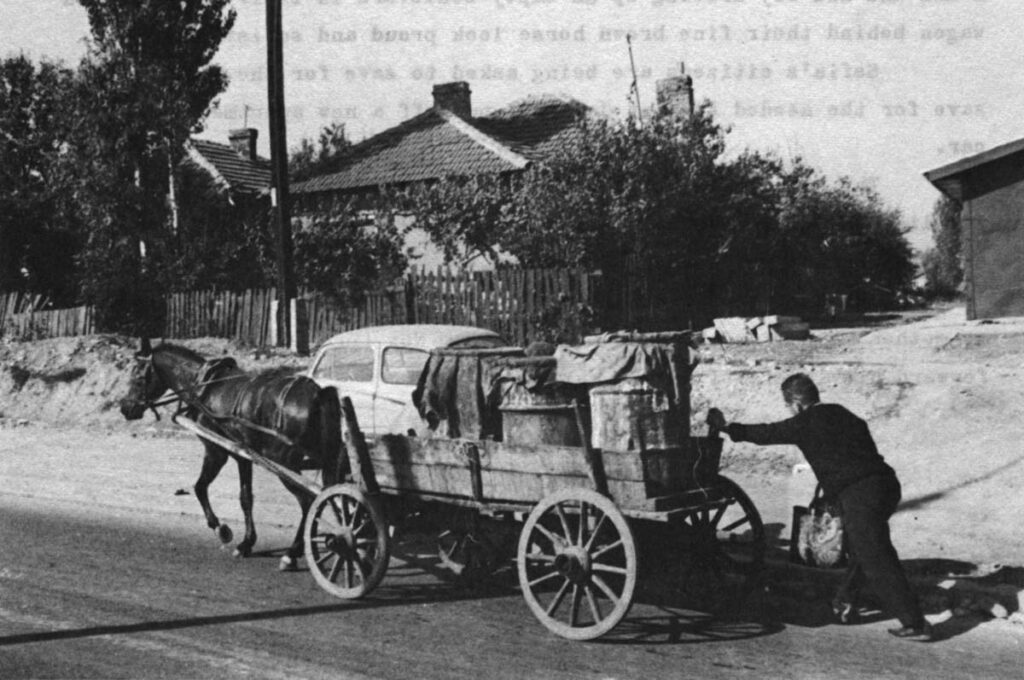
<point>990,187</point>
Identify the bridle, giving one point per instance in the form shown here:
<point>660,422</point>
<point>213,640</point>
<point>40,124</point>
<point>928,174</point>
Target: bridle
<point>184,401</point>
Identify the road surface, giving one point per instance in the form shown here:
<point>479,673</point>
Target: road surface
<point>109,572</point>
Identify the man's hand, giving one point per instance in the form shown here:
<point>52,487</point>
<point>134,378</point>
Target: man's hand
<point>716,421</point>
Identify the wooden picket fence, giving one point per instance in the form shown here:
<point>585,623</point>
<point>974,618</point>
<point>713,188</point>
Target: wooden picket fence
<point>22,316</point>
<point>520,304</point>
<point>244,317</point>
<point>326,319</point>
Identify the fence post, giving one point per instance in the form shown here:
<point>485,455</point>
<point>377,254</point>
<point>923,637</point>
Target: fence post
<point>299,326</point>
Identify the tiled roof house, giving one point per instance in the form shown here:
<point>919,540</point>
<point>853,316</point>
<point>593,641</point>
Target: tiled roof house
<point>234,167</point>
<point>447,140</point>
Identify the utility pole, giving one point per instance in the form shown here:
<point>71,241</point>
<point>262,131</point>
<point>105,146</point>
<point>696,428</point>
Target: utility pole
<point>279,164</point>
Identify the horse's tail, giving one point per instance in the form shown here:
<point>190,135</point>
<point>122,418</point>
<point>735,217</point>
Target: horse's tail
<point>327,424</point>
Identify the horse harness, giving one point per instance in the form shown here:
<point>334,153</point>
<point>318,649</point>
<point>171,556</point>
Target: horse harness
<point>190,401</point>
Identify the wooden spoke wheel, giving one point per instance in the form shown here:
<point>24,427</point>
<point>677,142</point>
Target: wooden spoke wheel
<point>577,564</point>
<point>347,541</point>
<point>723,548</point>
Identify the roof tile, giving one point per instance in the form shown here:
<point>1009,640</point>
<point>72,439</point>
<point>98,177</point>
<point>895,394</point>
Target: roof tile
<point>240,173</point>
<point>436,143</point>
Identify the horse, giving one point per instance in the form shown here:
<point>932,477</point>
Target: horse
<point>285,418</point>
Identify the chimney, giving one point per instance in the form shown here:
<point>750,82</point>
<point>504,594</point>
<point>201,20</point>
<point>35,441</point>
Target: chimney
<point>453,97</point>
<point>243,141</point>
<point>675,94</point>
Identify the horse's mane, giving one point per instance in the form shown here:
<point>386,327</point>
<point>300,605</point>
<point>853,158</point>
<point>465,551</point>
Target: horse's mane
<point>186,354</point>
<point>179,351</point>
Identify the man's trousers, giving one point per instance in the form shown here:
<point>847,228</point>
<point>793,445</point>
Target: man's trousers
<point>867,506</point>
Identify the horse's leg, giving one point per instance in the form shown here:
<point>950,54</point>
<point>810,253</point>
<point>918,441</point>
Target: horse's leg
<point>213,461</point>
<point>244,548</point>
<point>290,560</point>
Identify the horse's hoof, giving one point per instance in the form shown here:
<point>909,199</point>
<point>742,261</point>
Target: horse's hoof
<point>240,553</point>
<point>288,564</point>
<point>224,533</point>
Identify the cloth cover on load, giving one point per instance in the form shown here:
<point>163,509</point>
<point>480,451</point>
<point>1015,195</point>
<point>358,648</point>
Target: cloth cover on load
<point>664,365</point>
<point>454,387</point>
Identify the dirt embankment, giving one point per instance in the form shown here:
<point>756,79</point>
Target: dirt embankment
<point>79,381</point>
<point>934,391</point>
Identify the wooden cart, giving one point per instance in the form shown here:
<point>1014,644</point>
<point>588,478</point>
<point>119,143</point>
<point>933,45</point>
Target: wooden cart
<point>578,512</point>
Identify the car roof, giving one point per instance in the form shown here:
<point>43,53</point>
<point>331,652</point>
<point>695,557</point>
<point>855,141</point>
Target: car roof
<point>425,336</point>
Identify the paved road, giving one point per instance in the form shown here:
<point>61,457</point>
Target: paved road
<point>106,573</point>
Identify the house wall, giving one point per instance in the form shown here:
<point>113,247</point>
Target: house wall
<point>993,225</point>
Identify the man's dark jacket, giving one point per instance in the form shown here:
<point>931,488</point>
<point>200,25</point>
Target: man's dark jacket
<point>836,444</point>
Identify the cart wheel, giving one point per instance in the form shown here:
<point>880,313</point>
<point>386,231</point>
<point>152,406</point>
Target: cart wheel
<point>577,564</point>
<point>347,541</point>
<point>725,548</point>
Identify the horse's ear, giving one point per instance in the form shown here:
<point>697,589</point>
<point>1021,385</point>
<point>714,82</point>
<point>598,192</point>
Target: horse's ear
<point>144,347</point>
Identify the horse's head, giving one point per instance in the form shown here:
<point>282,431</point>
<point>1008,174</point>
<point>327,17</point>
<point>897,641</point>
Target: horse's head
<point>145,387</point>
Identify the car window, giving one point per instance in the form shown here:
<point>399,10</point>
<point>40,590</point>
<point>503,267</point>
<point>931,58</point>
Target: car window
<point>402,365</point>
<point>350,363</point>
<point>479,343</point>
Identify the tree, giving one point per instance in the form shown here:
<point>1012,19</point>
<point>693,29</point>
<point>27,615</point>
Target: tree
<point>324,156</point>
<point>37,244</point>
<point>687,230</point>
<point>344,253</point>
<point>344,248</point>
<point>839,238</point>
<point>654,204</point>
<point>146,85</point>
<point>943,265</point>
<point>224,241</point>
<point>616,188</point>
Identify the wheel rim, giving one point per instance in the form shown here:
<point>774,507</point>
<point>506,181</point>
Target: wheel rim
<point>577,564</point>
<point>347,542</point>
<point>725,548</point>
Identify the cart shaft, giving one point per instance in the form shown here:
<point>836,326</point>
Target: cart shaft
<point>245,452</point>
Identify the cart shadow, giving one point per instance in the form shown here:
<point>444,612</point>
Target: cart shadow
<point>391,596</point>
<point>403,586</point>
<point>674,626</point>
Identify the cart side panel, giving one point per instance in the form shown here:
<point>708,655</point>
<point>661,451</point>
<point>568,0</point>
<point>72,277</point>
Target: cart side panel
<point>529,473</point>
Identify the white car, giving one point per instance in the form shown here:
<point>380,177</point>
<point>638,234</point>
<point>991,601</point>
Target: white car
<point>378,367</point>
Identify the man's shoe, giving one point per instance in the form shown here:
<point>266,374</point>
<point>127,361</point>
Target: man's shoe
<point>922,633</point>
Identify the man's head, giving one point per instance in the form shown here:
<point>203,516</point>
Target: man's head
<point>800,392</point>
